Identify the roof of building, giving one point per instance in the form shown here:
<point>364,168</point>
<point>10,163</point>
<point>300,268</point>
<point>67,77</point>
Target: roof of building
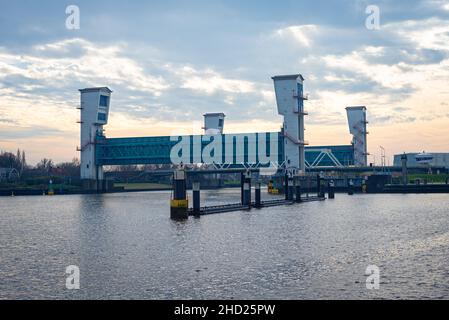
<point>214,114</point>
<point>95,89</point>
<point>356,108</point>
<point>288,77</point>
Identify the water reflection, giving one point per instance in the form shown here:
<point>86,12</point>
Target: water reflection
<point>127,247</point>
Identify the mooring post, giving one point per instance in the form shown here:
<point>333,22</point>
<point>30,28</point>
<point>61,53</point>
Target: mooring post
<point>298,191</point>
<point>350,187</point>
<point>290,189</point>
<point>318,185</point>
<point>248,180</point>
<point>242,193</point>
<point>404,169</point>
<point>246,189</point>
<point>257,195</point>
<point>246,194</point>
<point>330,189</point>
<point>196,198</point>
<point>322,190</point>
<point>179,205</point>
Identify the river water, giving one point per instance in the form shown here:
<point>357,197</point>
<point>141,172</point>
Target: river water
<point>126,247</point>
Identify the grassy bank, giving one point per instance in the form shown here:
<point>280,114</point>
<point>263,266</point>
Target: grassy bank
<point>137,186</point>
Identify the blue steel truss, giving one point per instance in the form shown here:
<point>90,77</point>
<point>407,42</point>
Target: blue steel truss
<point>156,150</point>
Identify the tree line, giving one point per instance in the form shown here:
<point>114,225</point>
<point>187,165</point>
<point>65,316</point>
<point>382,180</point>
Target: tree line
<point>45,167</point>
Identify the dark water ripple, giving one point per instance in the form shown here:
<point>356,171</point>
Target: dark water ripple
<point>127,247</point>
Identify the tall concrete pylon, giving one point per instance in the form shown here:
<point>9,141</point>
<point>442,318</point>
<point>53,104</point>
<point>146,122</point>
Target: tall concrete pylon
<point>94,115</point>
<point>357,127</point>
<point>290,103</point>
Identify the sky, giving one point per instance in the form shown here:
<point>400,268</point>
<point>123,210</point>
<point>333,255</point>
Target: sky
<point>169,62</point>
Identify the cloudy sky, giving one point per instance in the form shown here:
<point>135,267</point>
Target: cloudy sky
<point>168,62</point>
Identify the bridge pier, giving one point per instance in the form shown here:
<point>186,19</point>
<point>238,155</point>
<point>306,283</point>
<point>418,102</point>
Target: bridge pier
<point>179,205</point>
<point>94,106</point>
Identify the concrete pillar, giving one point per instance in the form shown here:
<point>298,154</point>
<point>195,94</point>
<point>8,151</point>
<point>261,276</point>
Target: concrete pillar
<point>286,186</point>
<point>94,106</point>
<point>196,198</point>
<point>179,205</point>
<point>290,99</point>
<point>257,198</point>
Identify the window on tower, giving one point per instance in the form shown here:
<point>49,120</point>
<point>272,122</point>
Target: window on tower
<point>101,116</point>
<point>104,100</point>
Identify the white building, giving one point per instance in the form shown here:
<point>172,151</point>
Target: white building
<point>439,159</point>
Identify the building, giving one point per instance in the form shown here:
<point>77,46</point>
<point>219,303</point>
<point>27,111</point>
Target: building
<point>439,159</point>
<point>9,175</point>
<point>213,123</point>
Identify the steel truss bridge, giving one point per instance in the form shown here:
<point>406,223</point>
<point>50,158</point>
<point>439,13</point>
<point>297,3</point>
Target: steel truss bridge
<point>239,151</point>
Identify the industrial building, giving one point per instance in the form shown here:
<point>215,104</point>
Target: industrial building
<point>437,160</point>
<point>285,149</point>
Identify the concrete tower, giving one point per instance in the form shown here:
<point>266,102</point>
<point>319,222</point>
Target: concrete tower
<point>213,123</point>
<point>94,114</point>
<point>290,102</point>
<point>357,127</point>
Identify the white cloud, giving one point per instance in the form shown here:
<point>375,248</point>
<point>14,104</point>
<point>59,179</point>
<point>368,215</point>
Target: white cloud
<point>209,81</point>
<point>96,65</point>
<point>432,33</point>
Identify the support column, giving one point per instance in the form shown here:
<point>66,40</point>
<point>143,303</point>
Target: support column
<point>196,198</point>
<point>257,195</point>
<point>286,186</point>
<point>179,205</point>
<point>94,107</point>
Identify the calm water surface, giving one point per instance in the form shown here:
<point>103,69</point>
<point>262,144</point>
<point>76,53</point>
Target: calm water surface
<point>127,248</point>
